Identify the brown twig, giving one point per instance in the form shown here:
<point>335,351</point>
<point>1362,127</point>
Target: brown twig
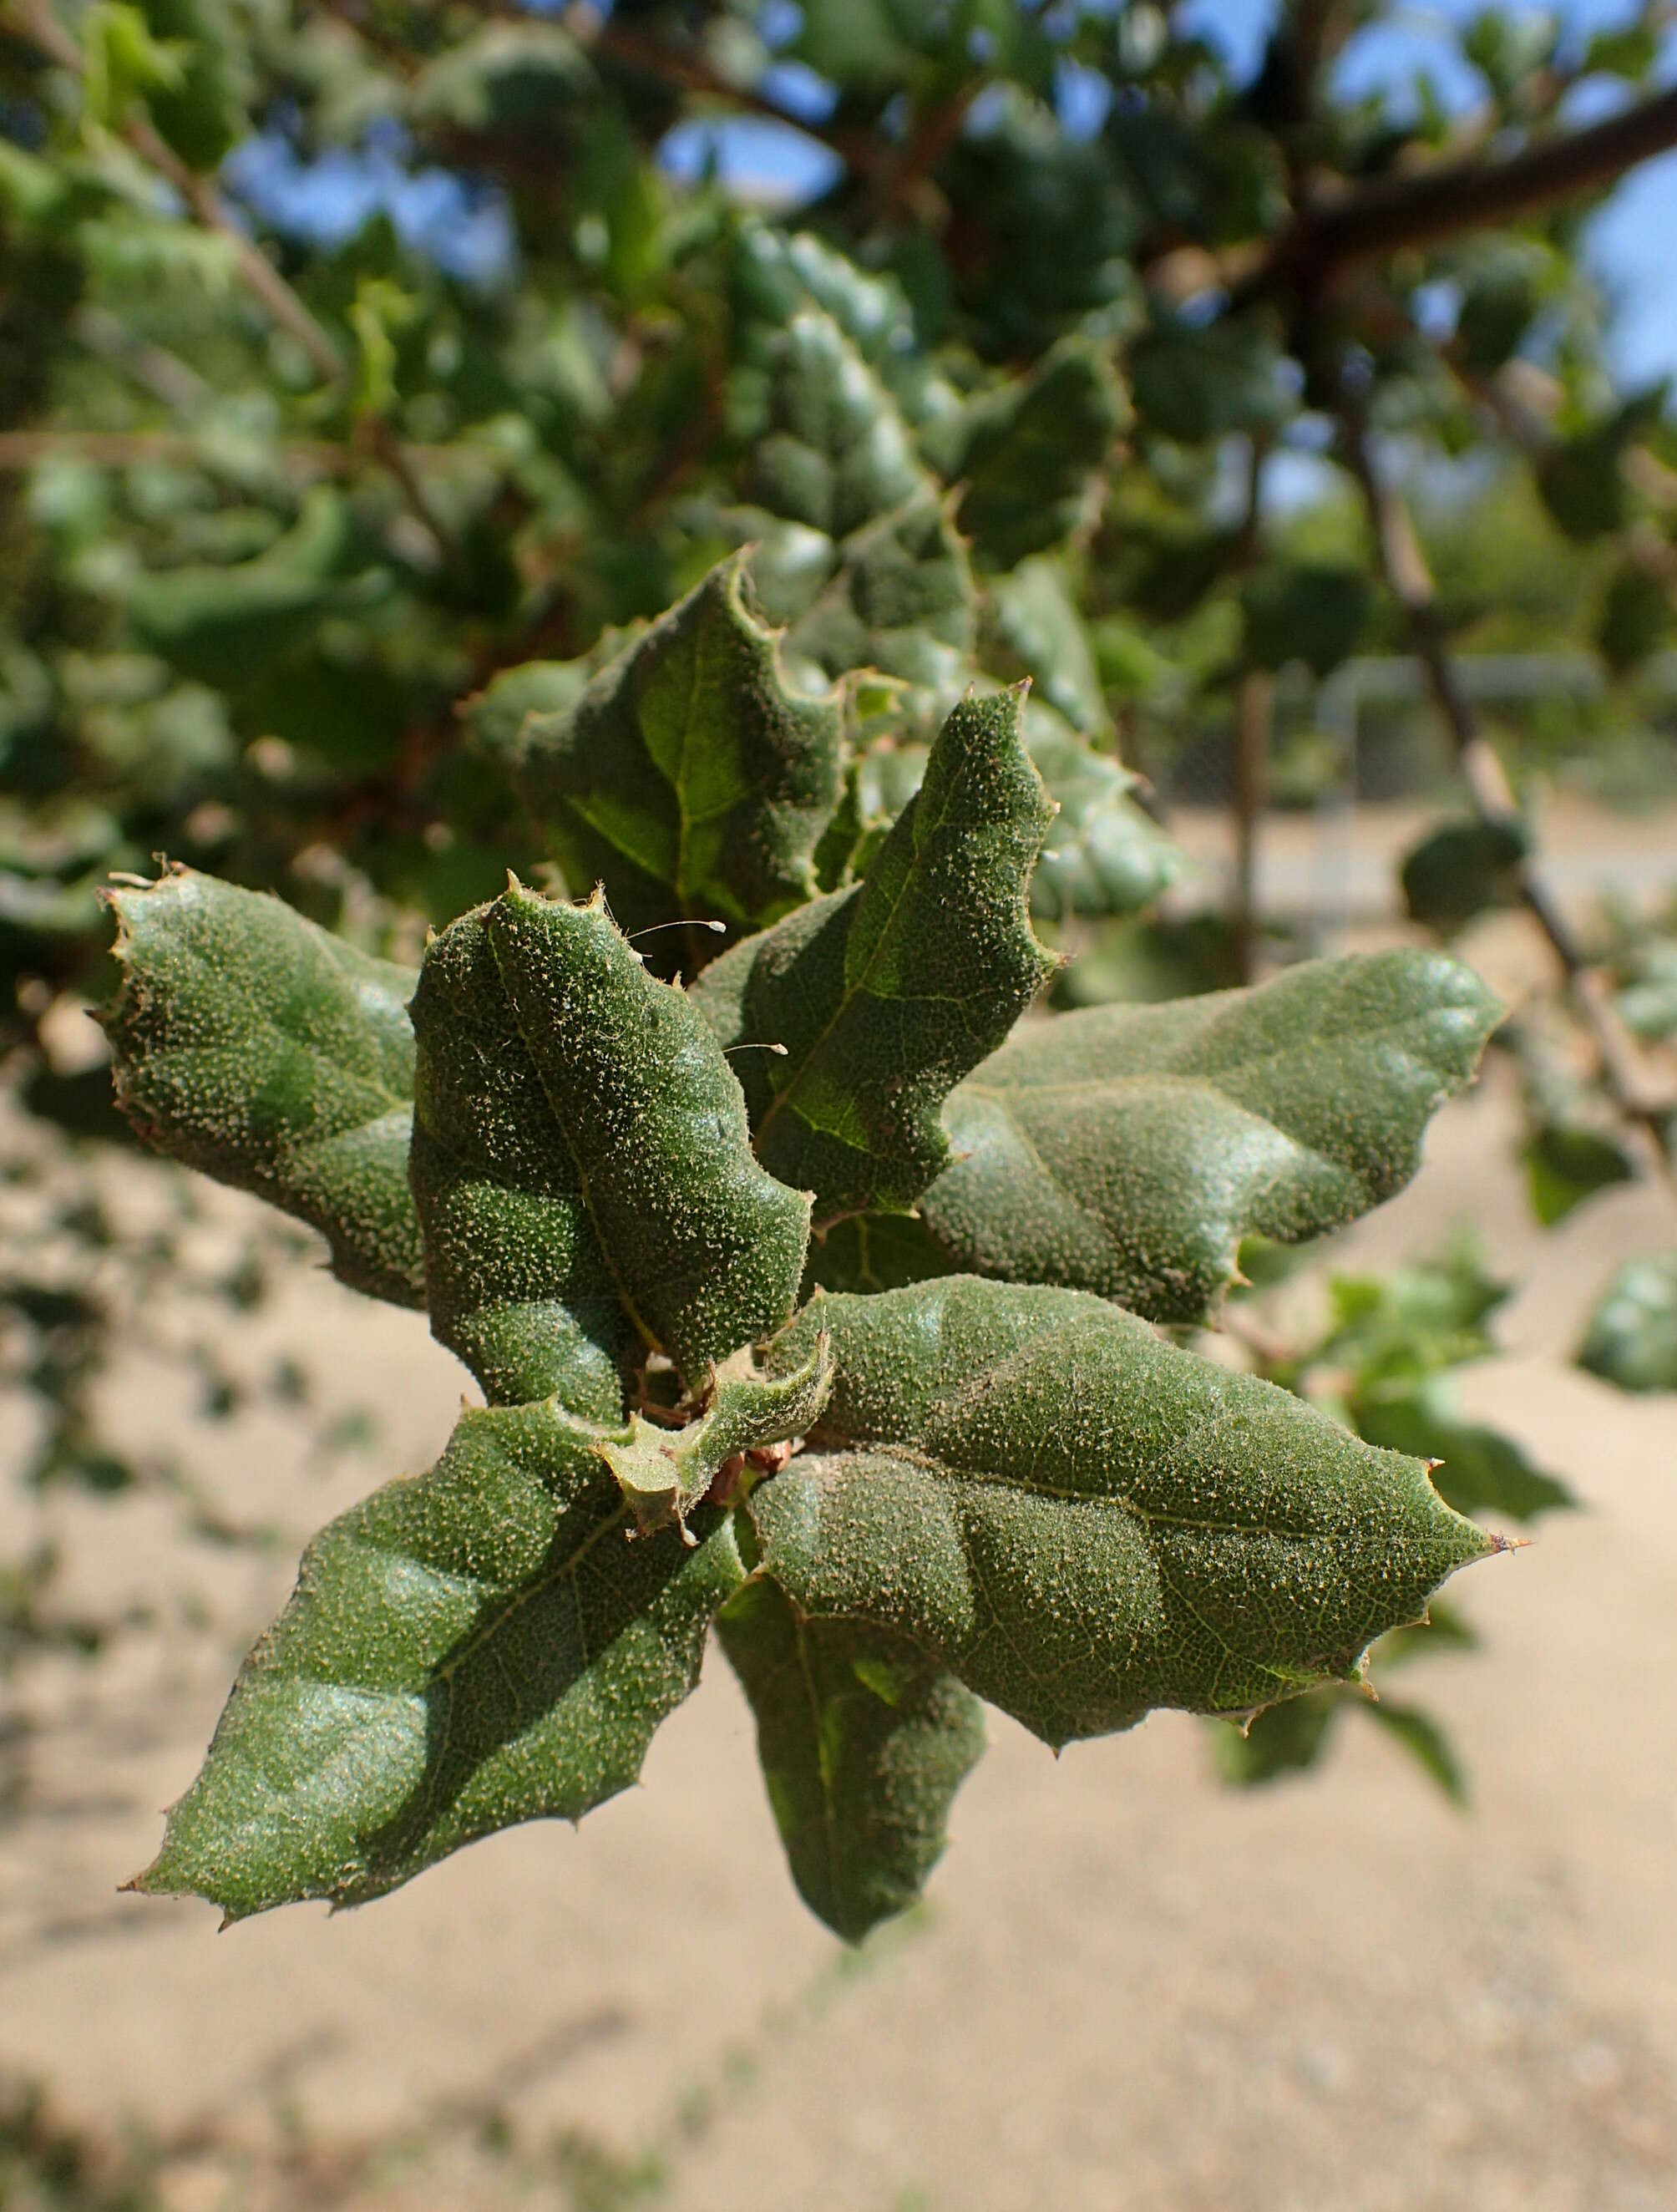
<point>1421,207</point>
<point>689,72</point>
<point>1404,566</point>
<point>1254,704</point>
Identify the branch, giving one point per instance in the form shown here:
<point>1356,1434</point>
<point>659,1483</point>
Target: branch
<point>1403,564</point>
<point>1422,206</point>
<point>898,183</point>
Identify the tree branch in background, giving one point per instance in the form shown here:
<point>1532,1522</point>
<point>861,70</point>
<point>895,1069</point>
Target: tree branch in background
<point>1403,565</point>
<point>1420,206</point>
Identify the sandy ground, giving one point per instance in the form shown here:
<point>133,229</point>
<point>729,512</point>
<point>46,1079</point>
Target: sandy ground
<point>1337,867</point>
<point>1131,1988</point>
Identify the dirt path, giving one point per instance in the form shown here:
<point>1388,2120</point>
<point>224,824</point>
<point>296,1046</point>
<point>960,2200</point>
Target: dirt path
<point>1132,1988</point>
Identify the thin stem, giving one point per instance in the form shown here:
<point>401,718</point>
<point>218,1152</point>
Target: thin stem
<point>1490,793</point>
<point>689,72</point>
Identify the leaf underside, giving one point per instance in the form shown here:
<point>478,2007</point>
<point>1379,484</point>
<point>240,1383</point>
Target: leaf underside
<point>863,1744</point>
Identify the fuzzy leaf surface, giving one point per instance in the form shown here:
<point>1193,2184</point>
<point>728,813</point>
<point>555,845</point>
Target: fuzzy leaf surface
<point>1128,1149</point>
<point>690,777</point>
<point>863,1743</point>
<point>574,1076</point>
<point>468,1648</point>
<point>518,1284</point>
<point>263,1051</point>
<point>886,995</point>
<point>1084,1523</point>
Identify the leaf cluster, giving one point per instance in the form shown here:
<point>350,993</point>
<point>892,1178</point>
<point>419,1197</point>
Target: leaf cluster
<point>977,1480</point>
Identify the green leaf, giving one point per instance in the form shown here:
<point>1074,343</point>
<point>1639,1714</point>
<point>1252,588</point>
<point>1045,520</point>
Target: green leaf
<point>1455,873</point>
<point>1030,451</point>
<point>1039,621</point>
<point>502,76</point>
<point>1084,1523</point>
<point>859,552</point>
<point>1290,1738</point>
<point>863,1742</point>
<point>469,1648</point>
<point>1103,856</point>
<point>277,1058</point>
<point>1478,1469</point>
<point>779,273</point>
<point>1631,1339</point>
<point>1128,1149</point>
<point>557,1069</point>
<point>884,995</point>
<point>665,1473</point>
<point>1285,1739</point>
<point>1648,1002</point>
<point>201,109</point>
<point>1582,478</point>
<point>1426,1743</point>
<point>496,714</point>
<point>875,1252</point>
<point>899,600</point>
<point>1309,611</point>
<point>1636,617</point>
<point>1404,1324</point>
<point>1565,1164</point>
<point>228,626</point>
<point>518,1285</point>
<point>1195,384</point>
<point>690,777</point>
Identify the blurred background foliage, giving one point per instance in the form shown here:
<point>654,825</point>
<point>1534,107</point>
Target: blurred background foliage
<point>368,370</point>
